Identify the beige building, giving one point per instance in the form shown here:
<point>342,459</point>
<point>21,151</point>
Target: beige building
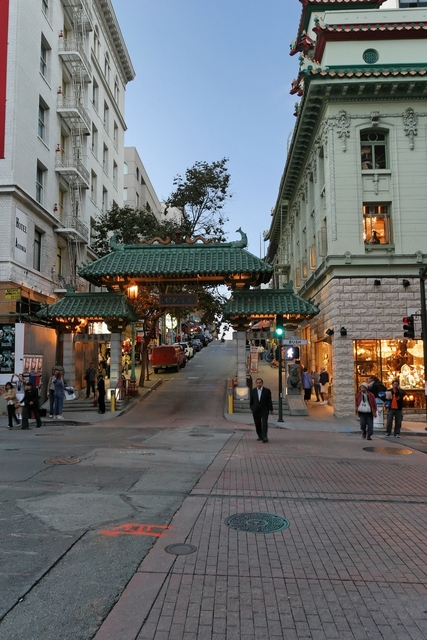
<point>349,226</point>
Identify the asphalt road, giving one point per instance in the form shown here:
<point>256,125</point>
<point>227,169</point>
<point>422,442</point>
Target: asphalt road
<point>72,535</point>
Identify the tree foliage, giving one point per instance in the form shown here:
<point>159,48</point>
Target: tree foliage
<point>201,195</point>
<point>132,225</point>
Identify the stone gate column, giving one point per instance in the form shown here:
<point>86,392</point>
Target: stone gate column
<point>69,358</point>
<point>242,390</point>
<point>115,359</point>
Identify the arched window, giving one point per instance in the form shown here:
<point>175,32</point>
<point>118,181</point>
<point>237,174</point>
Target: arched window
<point>373,149</point>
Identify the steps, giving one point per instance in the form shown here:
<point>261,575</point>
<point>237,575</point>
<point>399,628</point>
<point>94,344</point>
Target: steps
<point>242,406</point>
<point>84,404</point>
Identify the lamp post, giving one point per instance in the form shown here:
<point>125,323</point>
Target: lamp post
<point>132,342</point>
<point>423,276</point>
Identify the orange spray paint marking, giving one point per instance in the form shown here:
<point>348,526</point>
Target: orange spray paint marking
<point>135,529</point>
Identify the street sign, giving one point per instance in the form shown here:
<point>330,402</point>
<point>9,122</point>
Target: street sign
<point>178,300</point>
<point>13,294</point>
<point>294,341</point>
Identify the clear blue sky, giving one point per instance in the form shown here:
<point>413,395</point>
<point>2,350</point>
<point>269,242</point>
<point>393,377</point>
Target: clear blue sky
<point>212,81</point>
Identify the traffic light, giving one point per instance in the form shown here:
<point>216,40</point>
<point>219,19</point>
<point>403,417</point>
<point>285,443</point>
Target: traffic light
<point>408,327</point>
<point>291,353</point>
<point>280,328</point>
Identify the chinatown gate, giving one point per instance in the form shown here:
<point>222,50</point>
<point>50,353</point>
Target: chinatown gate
<point>158,262</point>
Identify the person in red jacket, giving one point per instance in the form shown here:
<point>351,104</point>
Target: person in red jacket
<point>366,410</point>
<point>395,395</point>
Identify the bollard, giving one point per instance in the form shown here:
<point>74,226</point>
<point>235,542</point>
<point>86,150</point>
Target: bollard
<point>113,402</point>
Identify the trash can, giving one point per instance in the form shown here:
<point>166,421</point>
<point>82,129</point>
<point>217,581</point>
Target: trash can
<point>379,419</point>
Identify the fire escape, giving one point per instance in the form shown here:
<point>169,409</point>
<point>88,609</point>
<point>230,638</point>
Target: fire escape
<point>70,160</point>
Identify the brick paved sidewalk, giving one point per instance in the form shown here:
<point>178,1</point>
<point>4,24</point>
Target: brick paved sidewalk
<point>351,566</point>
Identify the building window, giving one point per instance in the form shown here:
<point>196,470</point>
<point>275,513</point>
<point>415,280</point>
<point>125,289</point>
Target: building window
<point>410,4</point>
<point>105,159</point>
<point>115,135</point>
<point>125,168</point>
<point>37,255</point>
<point>95,95</point>
<point>137,199</point>
<point>93,178</point>
<point>137,174</point>
<point>107,67</point>
<point>94,141</point>
<point>43,58</point>
<point>40,179</point>
<point>41,129</point>
<point>370,56</point>
<point>106,116</point>
<point>45,7</point>
<point>104,200</point>
<point>115,174</point>
<point>116,90</point>
<point>96,42</point>
<point>61,198</point>
<point>376,224</point>
<point>373,148</point>
<point>125,193</point>
<point>58,261</point>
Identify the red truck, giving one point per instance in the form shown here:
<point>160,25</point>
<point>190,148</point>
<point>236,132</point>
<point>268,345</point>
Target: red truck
<point>167,357</point>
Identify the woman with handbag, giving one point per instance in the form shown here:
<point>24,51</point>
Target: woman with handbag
<point>19,383</point>
<point>12,403</point>
<point>366,409</point>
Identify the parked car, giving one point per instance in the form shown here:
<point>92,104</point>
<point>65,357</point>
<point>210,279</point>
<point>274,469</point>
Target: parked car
<point>186,349</point>
<point>202,338</point>
<point>167,357</point>
<point>196,344</point>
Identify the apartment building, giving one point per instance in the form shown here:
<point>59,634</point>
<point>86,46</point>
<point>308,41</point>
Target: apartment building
<point>64,68</point>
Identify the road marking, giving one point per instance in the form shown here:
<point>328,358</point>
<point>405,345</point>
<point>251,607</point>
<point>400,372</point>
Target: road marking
<point>135,529</point>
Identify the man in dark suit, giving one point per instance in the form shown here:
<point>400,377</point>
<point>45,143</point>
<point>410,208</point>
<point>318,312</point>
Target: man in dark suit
<point>261,405</point>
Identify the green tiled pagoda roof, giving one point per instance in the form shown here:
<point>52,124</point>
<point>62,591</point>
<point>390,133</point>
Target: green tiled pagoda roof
<point>177,261</point>
<point>270,302</point>
<point>91,306</point>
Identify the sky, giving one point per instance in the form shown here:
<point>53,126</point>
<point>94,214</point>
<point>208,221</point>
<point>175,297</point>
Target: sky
<point>212,81</point>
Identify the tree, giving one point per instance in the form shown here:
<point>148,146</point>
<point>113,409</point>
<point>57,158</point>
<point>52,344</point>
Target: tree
<point>201,196</point>
<point>132,225</point>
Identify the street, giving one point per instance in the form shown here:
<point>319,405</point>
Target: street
<point>84,545</point>
<point>61,567</point>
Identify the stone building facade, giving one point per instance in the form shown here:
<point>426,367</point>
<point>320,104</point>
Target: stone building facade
<point>349,226</point>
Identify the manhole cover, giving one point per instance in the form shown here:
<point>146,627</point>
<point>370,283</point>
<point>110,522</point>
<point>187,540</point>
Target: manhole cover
<point>181,549</point>
<point>391,451</point>
<point>256,522</point>
<point>62,461</point>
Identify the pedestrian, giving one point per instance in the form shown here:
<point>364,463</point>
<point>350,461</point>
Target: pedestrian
<point>260,352</point>
<point>261,405</point>
<point>101,394</point>
<point>316,383</point>
<point>324,385</point>
<point>31,405</point>
<point>20,392</point>
<point>58,396</point>
<point>375,386</point>
<point>90,376</point>
<point>395,395</point>
<point>12,404</point>
<point>51,387</point>
<point>366,410</point>
<point>307,384</point>
<point>108,366</point>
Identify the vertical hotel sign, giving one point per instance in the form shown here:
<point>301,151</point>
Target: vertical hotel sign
<point>4,23</point>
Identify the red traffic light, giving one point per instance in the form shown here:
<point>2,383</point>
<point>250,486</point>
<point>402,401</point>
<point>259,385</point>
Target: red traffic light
<point>408,327</point>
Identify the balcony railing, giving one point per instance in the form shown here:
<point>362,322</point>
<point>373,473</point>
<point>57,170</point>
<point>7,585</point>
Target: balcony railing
<point>73,168</point>
<point>71,51</point>
<point>74,113</point>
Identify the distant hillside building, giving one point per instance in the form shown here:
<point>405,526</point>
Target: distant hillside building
<point>349,226</point>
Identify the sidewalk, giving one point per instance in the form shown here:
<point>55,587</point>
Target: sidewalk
<point>93,417</point>
<point>351,565</point>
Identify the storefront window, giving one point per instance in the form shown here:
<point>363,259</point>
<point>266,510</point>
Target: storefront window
<point>393,359</point>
